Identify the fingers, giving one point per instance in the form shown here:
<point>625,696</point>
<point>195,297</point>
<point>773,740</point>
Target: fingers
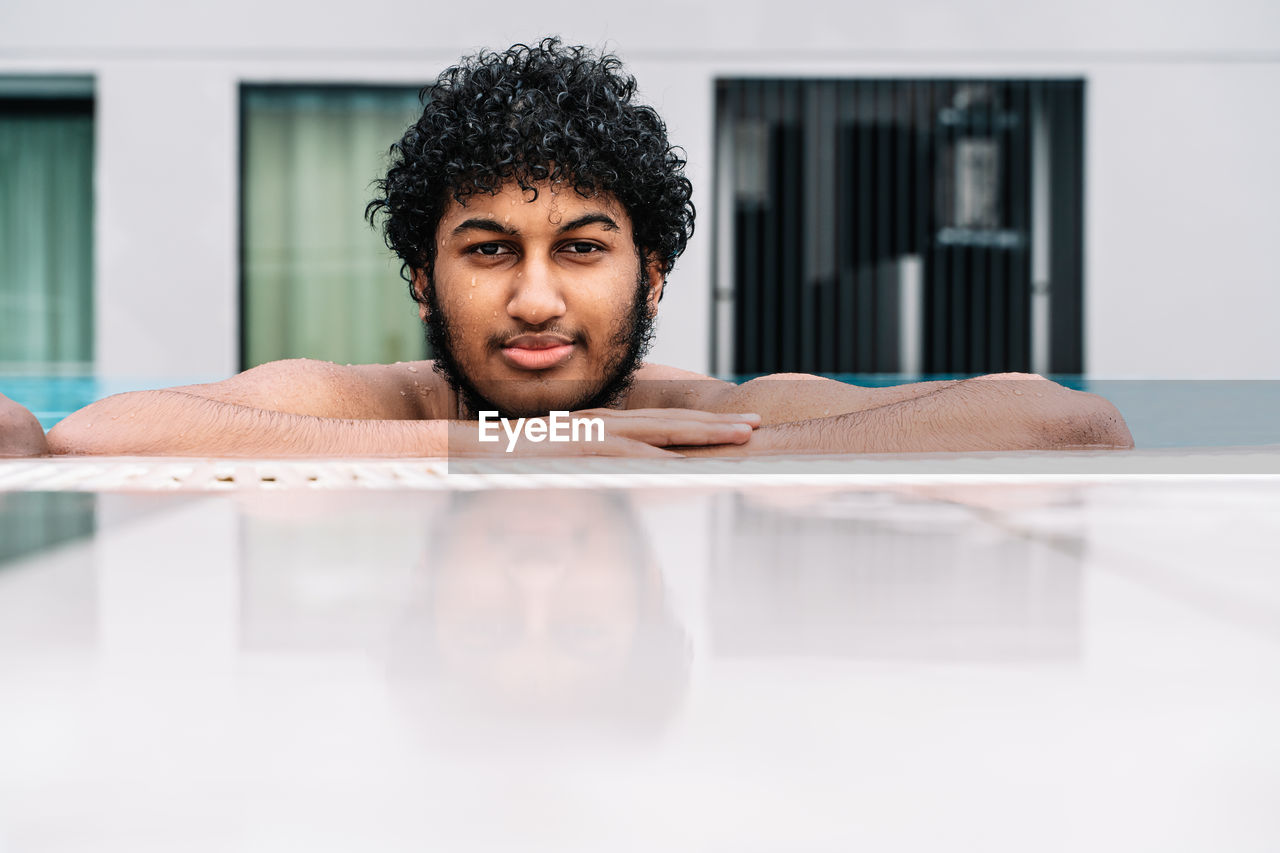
<point>646,432</point>
<point>629,447</point>
<point>675,414</point>
<point>666,428</point>
<point>667,434</point>
<point>614,446</point>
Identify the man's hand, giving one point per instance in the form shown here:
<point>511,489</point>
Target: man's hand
<point>675,427</point>
<point>1007,411</point>
<point>627,432</point>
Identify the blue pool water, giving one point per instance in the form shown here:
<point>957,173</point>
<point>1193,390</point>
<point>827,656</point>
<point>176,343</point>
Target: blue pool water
<point>52,398</point>
<point>1160,413</point>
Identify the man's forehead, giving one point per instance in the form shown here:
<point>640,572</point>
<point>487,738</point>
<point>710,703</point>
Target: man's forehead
<point>542,202</point>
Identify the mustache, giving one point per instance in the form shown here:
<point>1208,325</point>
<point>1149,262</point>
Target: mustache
<point>576,335</point>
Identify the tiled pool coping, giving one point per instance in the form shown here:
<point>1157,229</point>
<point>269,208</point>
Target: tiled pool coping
<point>214,475</point>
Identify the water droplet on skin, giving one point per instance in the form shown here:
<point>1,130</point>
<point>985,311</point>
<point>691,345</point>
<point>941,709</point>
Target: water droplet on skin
<point>469,295</point>
<point>403,394</point>
<point>1019,393</point>
<point>412,369</point>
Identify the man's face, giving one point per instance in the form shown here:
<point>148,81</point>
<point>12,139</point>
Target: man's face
<point>538,305</point>
<point>539,600</point>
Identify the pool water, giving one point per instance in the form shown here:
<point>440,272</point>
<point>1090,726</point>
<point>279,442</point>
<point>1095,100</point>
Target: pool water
<point>52,398</point>
<point>1160,413</point>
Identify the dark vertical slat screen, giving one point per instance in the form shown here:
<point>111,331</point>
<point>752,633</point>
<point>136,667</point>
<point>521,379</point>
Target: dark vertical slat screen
<point>786,272</point>
<point>863,194</point>
<point>772,284</point>
<point>937,308</point>
<point>827,352</point>
<point>996,120</point>
<point>1016,198</point>
<point>739,105</point>
<point>846,224</point>
<point>843,188</point>
<point>1066,126</point>
<point>980,276</point>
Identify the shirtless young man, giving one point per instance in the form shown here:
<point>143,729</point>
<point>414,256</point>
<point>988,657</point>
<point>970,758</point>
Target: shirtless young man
<point>538,211</point>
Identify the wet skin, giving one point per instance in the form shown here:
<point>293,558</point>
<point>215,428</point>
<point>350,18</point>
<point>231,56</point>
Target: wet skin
<point>539,295</point>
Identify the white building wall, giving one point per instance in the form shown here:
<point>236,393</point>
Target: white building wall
<point>1181,182</point>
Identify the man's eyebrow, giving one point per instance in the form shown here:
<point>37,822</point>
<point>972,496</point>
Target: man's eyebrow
<point>590,219</point>
<point>482,224</point>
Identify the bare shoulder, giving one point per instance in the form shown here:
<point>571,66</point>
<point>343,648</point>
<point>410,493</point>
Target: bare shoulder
<point>412,388</point>
<point>402,391</point>
<point>658,386</point>
<point>20,432</point>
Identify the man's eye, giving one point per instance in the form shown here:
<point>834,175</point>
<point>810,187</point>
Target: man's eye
<point>581,248</point>
<point>490,249</point>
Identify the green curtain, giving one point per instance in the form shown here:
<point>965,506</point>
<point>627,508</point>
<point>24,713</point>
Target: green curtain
<point>46,236</point>
<point>318,281</point>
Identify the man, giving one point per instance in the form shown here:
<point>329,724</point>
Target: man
<point>20,432</point>
<point>538,211</point>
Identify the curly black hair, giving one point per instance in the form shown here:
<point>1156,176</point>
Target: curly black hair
<point>531,114</point>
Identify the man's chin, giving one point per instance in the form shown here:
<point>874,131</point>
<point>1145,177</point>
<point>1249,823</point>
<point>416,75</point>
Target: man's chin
<point>535,399</point>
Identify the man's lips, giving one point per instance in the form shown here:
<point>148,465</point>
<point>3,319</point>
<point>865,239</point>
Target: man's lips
<point>537,352</point>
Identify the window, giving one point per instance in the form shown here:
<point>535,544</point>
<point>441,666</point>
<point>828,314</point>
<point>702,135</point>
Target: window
<point>317,281</point>
<point>46,224</point>
<point>900,226</point>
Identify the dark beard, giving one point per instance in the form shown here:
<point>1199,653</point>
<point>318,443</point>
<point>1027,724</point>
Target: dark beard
<point>631,337</point>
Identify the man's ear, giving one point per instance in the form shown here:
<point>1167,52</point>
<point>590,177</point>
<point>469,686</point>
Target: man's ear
<point>657,280</point>
<point>420,293</point>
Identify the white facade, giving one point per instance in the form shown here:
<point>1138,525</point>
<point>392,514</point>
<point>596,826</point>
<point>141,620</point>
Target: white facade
<point>1182,187</point>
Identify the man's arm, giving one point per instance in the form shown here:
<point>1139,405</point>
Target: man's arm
<point>999,412</point>
<point>311,408</point>
<point>287,408</point>
<point>778,398</point>
<point>20,432</point>
<point>174,423</point>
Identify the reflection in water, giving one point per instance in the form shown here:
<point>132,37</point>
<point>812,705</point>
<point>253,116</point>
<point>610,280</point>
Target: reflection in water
<point>48,594</point>
<point>544,606</point>
<point>328,573</point>
<point>513,605</point>
<point>532,612</point>
<point>874,576</point>
<point>34,521</point>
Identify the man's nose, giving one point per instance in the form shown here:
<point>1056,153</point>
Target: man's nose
<point>536,295</point>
